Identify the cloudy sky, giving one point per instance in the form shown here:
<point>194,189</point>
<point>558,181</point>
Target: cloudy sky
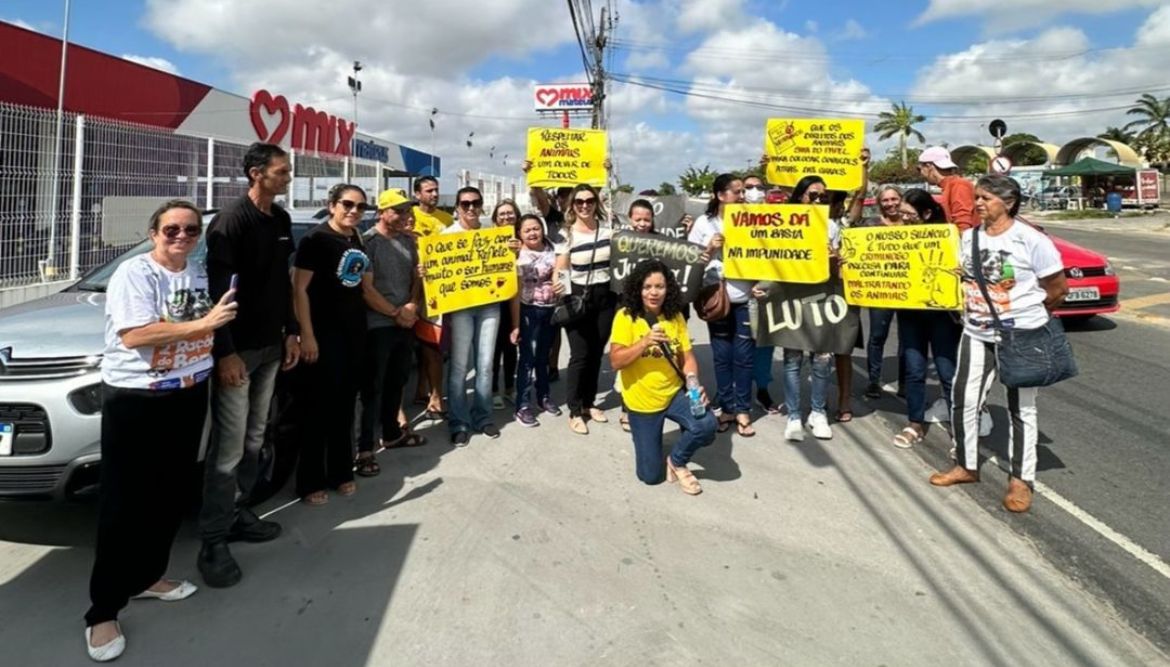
<point>695,79</point>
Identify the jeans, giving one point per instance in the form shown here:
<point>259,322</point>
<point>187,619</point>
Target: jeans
<point>923,331</point>
<point>148,439</point>
<point>536,332</point>
<point>473,343</point>
<point>646,427</point>
<point>880,320</point>
<point>587,338</point>
<point>326,395</point>
<point>239,417</point>
<point>822,366</point>
<point>762,366</point>
<point>389,351</point>
<point>733,349</point>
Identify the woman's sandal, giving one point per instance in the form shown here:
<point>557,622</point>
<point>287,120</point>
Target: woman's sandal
<point>408,439</point>
<point>744,428</point>
<point>316,498</point>
<point>844,416</point>
<point>685,478</point>
<point>625,422</point>
<point>725,424</point>
<point>907,438</point>
<point>367,466</point>
<point>347,489</point>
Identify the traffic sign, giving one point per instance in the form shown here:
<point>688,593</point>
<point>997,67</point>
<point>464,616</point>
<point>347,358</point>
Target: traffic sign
<point>998,128</point>
<point>1001,165</point>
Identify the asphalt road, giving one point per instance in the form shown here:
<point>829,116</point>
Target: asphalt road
<point>1104,437</point>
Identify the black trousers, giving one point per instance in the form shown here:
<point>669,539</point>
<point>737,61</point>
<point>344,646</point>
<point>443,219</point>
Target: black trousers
<point>327,393</point>
<point>389,352</point>
<point>587,339</point>
<point>150,440</point>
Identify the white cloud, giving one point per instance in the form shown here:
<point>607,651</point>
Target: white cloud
<point>1046,92</point>
<point>23,24</point>
<point>152,61</point>
<point>851,31</point>
<point>811,26</point>
<point>705,15</point>
<point>1001,15</point>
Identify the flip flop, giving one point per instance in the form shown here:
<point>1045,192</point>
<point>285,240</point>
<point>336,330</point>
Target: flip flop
<point>725,424</point>
<point>367,466</point>
<point>409,439</point>
<point>844,416</point>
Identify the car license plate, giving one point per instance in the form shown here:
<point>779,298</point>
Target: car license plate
<point>7,433</point>
<point>1083,294</point>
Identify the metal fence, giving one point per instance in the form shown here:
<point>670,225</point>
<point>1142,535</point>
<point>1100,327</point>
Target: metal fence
<point>64,214</point>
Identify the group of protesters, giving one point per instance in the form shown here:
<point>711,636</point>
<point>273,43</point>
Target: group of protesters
<point>351,319</point>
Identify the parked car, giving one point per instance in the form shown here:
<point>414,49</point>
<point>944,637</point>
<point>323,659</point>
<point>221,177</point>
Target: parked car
<point>1093,286</point>
<point>50,388</point>
<point>1054,197</point>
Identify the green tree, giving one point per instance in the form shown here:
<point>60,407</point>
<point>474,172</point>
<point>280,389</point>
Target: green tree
<point>900,121</point>
<point>1031,155</point>
<point>625,187</point>
<point>696,182</point>
<point>890,170</point>
<point>1154,117</point>
<point>667,188</point>
<point>976,165</point>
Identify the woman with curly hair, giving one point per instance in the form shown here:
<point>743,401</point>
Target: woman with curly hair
<point>651,350</point>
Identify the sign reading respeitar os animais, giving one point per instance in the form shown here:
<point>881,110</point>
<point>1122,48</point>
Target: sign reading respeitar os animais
<point>562,96</point>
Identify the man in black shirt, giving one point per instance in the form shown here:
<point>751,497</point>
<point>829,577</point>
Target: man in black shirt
<point>248,243</point>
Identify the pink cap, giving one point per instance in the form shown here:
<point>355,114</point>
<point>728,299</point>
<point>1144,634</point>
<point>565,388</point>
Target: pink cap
<point>938,156</point>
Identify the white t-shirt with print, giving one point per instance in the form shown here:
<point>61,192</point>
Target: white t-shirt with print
<point>738,291</point>
<point>1012,264</point>
<point>142,292</point>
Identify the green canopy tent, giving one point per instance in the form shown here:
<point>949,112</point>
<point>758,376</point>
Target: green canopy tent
<point>1091,167</point>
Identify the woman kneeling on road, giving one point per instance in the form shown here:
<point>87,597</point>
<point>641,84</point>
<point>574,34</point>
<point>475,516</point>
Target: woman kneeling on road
<point>159,324</point>
<point>1024,276</point>
<point>651,349</point>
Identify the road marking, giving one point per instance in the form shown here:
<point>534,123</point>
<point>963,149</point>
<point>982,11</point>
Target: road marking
<point>1146,301</point>
<point>1096,525</point>
<point>1158,279</point>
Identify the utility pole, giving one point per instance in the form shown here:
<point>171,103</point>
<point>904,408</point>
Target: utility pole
<point>598,47</point>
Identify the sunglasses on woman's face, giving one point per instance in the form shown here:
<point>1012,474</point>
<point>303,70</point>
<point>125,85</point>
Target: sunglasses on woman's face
<point>816,197</point>
<point>585,201</point>
<point>173,231</point>
<point>468,204</point>
<point>349,205</point>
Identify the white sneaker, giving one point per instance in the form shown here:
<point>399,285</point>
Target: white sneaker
<point>937,413</point>
<point>819,425</point>
<point>794,431</point>
<point>985,423</point>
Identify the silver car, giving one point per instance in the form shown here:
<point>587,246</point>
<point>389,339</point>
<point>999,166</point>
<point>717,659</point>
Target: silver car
<point>50,387</point>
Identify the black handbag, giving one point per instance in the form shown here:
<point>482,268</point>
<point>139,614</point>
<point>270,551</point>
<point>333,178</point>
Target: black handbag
<point>571,307</point>
<point>1026,357</point>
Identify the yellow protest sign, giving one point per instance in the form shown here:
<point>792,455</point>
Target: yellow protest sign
<point>566,157</point>
<point>827,147</point>
<point>467,269</point>
<point>902,266</point>
<point>776,242</point>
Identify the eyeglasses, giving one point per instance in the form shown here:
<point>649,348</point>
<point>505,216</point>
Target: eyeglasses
<point>591,201</point>
<point>349,205</point>
<point>753,187</point>
<point>816,197</point>
<point>173,231</point>
<point>469,204</point>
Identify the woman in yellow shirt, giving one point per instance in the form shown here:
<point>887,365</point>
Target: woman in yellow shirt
<point>650,347</point>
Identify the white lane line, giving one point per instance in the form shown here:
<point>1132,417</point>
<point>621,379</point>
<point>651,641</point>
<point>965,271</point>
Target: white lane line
<point>1158,279</point>
<point>1096,525</point>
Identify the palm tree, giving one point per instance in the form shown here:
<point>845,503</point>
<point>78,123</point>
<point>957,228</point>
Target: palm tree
<point>1154,116</point>
<point>901,122</point>
<point>1119,135</point>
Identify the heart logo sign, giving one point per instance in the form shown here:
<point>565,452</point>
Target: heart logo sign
<point>264,110</point>
<point>547,97</point>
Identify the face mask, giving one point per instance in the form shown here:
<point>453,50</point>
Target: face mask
<point>753,195</point>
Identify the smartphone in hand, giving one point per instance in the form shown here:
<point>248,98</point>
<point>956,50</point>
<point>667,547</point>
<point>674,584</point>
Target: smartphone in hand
<point>233,282</point>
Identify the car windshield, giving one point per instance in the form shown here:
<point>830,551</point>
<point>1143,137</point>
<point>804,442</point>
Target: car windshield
<point>99,279</point>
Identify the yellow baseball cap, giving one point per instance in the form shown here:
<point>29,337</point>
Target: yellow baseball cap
<point>392,198</point>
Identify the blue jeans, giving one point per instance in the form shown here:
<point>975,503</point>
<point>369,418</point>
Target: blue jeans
<point>922,331</point>
<point>473,343</point>
<point>822,366</point>
<point>762,366</point>
<point>536,335</point>
<point>646,427</point>
<point>880,320</point>
<point>734,353</point>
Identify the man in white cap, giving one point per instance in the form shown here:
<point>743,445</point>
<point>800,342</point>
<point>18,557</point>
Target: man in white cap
<point>958,194</point>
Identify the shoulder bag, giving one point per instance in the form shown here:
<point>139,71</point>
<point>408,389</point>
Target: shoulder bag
<point>1026,357</point>
<point>571,307</point>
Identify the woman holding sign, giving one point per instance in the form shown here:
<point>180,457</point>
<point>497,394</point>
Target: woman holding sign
<point>584,257</point>
<point>651,349</point>
<point>1013,278</point>
<point>732,345</point>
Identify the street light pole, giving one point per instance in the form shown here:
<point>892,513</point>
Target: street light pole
<point>47,264</point>
<point>355,85</point>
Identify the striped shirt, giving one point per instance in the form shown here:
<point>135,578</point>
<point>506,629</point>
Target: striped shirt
<point>580,249</point>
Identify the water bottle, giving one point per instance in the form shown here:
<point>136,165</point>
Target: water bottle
<point>695,393</point>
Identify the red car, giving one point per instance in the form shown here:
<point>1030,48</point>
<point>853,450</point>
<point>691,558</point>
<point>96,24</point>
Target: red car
<point>1093,287</point>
